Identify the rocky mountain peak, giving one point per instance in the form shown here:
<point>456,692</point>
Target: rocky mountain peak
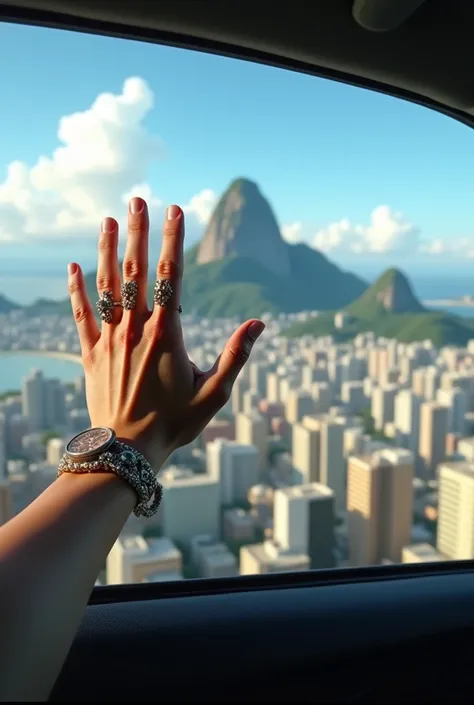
<point>394,292</point>
<point>243,224</point>
<point>391,292</point>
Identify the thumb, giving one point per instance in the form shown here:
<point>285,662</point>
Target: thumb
<point>236,353</point>
<point>218,382</point>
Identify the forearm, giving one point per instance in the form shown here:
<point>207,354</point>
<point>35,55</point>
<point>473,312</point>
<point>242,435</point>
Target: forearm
<point>50,556</point>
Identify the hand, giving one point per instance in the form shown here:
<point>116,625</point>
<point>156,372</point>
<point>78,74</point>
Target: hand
<point>139,379</point>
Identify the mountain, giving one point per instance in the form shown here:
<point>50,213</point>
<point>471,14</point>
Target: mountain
<point>242,266</point>
<point>391,293</point>
<point>244,225</point>
<point>390,309</point>
<point>6,305</point>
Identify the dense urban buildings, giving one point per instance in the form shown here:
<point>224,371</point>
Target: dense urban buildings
<point>327,454</point>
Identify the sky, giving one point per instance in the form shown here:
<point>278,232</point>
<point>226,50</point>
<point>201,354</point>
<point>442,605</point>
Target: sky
<point>88,121</point>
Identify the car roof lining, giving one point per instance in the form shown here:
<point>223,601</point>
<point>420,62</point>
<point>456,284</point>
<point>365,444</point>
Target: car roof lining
<point>428,56</point>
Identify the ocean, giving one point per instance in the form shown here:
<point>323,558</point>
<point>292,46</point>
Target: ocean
<point>26,287</point>
<point>15,366</point>
<point>445,287</point>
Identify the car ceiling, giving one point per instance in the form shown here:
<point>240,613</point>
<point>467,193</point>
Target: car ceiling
<point>418,49</point>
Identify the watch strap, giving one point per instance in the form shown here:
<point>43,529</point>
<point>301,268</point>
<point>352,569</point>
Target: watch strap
<point>126,462</point>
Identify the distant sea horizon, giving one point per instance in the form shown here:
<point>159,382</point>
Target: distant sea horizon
<point>26,287</point>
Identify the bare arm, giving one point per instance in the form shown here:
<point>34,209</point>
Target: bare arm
<point>140,382</point>
<point>50,556</point>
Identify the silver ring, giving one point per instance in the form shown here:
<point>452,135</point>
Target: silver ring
<point>105,306</point>
<point>129,291</point>
<point>163,292</point>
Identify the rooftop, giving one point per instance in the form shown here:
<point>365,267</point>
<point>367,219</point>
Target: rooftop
<point>283,561</point>
<point>152,549</point>
<point>234,446</point>
<point>459,466</point>
<point>175,476</point>
<point>425,552</point>
<point>311,490</point>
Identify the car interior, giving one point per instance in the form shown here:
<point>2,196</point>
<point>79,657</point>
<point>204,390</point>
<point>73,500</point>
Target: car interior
<point>394,633</point>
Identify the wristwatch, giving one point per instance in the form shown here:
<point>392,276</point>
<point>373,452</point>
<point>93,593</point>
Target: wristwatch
<point>98,450</point>
<point>91,443</point>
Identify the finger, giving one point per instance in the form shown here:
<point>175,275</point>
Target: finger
<point>108,272</point>
<point>135,261</point>
<point>170,264</point>
<point>81,308</point>
<point>219,381</point>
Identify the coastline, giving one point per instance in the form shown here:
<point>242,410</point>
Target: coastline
<point>71,357</point>
<point>459,303</point>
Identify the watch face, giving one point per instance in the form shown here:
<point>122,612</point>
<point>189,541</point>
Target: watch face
<point>90,442</point>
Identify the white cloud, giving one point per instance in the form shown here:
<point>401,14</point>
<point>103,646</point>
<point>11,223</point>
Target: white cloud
<point>334,236</point>
<point>459,247</point>
<point>201,205</point>
<point>292,233</point>
<point>433,247</point>
<point>387,232</point>
<point>102,160</point>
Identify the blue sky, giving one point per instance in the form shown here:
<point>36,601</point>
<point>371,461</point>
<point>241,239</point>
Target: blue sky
<point>326,155</point>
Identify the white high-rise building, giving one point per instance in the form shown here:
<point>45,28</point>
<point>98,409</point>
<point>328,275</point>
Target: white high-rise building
<point>306,450</point>
<point>455,536</point>
<point>383,404</point>
<point>304,522</point>
<point>134,559</point>
<point>191,504</point>
<point>432,445</point>
<point>241,385</point>
<point>332,464</point>
<point>236,468</point>
<point>252,429</point>
<point>407,419</point>
<point>298,404</point>
<point>33,400</point>
<point>55,450</point>
<point>456,401</point>
<point>352,394</point>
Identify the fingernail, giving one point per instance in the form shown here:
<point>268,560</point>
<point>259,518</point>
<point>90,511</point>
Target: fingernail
<point>173,212</point>
<point>136,205</point>
<point>255,330</point>
<point>72,268</point>
<point>108,225</point>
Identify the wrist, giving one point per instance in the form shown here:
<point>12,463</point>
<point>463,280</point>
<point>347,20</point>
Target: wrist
<point>100,450</point>
<point>153,453</point>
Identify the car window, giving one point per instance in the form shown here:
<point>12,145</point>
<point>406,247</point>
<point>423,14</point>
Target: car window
<point>343,217</point>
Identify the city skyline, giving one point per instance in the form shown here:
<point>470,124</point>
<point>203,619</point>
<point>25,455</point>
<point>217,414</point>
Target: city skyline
<point>389,186</point>
<point>327,454</point>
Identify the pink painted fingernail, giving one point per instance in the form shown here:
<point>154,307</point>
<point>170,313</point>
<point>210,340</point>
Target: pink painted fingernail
<point>136,205</point>
<point>109,225</point>
<point>173,212</point>
<point>72,268</point>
